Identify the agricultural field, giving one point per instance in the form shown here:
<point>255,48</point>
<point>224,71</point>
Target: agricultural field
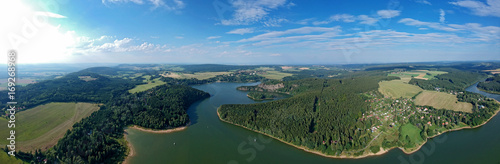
<point>494,71</point>
<point>398,88</point>
<point>264,69</point>
<point>276,75</point>
<point>150,84</point>
<point>7,159</point>
<point>197,75</point>
<point>441,100</point>
<point>41,127</point>
<point>418,74</point>
<point>20,81</point>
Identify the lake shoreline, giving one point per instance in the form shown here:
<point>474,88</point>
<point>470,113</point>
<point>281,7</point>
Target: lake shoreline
<point>382,150</point>
<point>131,147</point>
<point>159,131</point>
<point>490,92</point>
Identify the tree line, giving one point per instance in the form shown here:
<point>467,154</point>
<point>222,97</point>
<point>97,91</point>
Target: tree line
<point>99,137</point>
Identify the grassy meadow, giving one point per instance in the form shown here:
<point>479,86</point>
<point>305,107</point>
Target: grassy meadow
<point>276,75</point>
<point>442,100</point>
<point>150,84</point>
<point>41,127</point>
<point>7,159</point>
<point>418,74</point>
<point>398,88</point>
<point>197,75</point>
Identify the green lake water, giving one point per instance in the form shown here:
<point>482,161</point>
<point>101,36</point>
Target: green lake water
<point>210,141</point>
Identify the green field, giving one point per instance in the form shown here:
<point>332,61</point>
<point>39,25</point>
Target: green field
<point>397,89</point>
<point>149,85</point>
<point>41,127</point>
<point>7,159</point>
<point>197,75</point>
<point>442,100</point>
<point>264,69</point>
<point>405,77</point>
<point>418,74</point>
<point>412,132</point>
<point>21,82</point>
<point>276,75</point>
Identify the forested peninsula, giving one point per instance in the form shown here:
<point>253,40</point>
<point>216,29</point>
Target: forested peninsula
<point>350,118</point>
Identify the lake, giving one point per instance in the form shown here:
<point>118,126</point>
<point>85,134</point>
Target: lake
<point>210,141</point>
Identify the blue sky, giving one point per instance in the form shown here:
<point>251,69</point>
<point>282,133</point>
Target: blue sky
<point>251,31</point>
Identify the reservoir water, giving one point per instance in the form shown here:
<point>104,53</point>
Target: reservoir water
<point>210,141</point>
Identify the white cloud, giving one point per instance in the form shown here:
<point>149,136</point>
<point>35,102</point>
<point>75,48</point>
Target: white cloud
<point>338,17</point>
<point>274,22</point>
<point>441,15</point>
<point>343,17</point>
<point>294,35</point>
<point>388,13</point>
<point>241,31</point>
<point>86,46</point>
<point>491,8</point>
<point>423,2</point>
<point>140,2</point>
<point>348,18</point>
<point>482,33</point>
<point>167,4</point>
<point>476,31</point>
<point>305,21</point>
<point>413,22</point>
<point>213,37</point>
<point>275,55</point>
<point>364,19</point>
<point>179,37</point>
<point>49,14</point>
<point>249,12</point>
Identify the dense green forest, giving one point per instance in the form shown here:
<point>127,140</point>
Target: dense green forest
<point>321,110</point>
<point>216,67</point>
<point>93,140</point>
<point>326,113</point>
<point>318,73</point>
<point>96,139</point>
<point>236,78</point>
<point>454,80</point>
<point>80,86</point>
<point>491,84</point>
<point>259,96</point>
<point>339,116</point>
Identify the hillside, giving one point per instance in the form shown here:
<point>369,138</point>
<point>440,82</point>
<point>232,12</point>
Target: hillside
<point>491,84</point>
<point>41,127</point>
<point>350,118</point>
<point>80,86</point>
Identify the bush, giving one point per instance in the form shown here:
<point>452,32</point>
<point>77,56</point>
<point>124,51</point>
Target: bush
<point>375,149</point>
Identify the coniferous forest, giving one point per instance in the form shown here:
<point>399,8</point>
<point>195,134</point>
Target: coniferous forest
<point>98,138</point>
<point>335,115</point>
<point>322,110</point>
<point>491,84</point>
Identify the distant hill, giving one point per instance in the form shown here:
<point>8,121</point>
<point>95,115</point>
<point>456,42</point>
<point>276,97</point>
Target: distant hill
<point>82,86</point>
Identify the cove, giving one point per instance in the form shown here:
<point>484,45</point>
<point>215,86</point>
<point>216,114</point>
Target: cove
<point>209,140</point>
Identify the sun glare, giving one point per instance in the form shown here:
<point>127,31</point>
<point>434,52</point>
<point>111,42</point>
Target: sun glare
<point>32,35</point>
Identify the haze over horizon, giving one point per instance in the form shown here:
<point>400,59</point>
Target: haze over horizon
<point>250,32</point>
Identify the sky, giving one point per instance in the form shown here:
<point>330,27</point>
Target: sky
<point>250,31</point>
